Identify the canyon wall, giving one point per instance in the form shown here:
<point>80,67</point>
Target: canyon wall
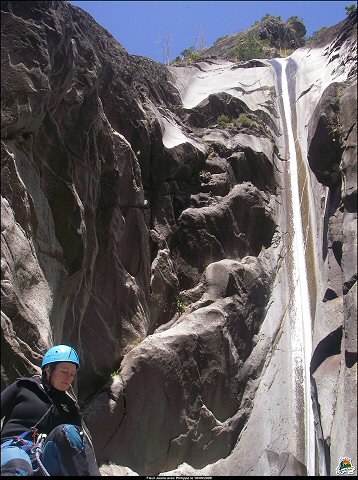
<point>146,220</point>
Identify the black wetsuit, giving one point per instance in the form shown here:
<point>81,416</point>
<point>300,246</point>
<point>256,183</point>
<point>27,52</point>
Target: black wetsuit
<point>25,402</point>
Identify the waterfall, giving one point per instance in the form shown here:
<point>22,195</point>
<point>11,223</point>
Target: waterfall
<point>300,312</point>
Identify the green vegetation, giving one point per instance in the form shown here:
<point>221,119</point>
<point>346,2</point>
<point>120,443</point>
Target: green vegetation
<point>336,127</point>
<point>316,35</point>
<point>219,39</point>
<point>190,54</point>
<point>269,35</point>
<point>265,39</point>
<point>243,121</point>
<point>350,9</point>
<point>116,372</point>
<point>223,120</point>
<point>246,122</point>
<point>181,306</point>
<point>294,18</point>
<point>268,16</point>
<point>250,47</point>
<point>136,342</point>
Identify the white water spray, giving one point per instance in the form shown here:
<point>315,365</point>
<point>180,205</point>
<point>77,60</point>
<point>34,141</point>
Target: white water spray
<point>301,325</point>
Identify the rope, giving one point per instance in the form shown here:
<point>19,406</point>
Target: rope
<point>43,416</point>
<point>38,451</point>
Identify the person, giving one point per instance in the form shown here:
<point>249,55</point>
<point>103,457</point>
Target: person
<point>42,407</point>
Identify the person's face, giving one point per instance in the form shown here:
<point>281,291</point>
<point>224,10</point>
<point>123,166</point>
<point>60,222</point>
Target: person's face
<point>63,375</point>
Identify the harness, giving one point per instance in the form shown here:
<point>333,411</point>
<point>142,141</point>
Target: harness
<point>33,447</point>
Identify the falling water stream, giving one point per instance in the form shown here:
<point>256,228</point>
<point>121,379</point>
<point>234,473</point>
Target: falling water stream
<point>300,313</point>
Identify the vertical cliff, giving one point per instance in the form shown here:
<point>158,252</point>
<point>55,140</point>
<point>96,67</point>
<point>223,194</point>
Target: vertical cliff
<point>146,220</point>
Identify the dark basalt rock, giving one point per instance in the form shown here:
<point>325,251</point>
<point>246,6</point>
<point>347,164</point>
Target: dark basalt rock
<point>325,147</point>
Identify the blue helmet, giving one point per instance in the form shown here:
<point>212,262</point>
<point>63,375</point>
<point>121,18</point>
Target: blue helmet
<point>60,353</point>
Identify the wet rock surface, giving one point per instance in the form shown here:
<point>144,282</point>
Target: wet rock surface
<point>154,237</point>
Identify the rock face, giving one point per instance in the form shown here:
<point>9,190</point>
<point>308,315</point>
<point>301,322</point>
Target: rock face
<point>146,221</point>
<point>272,33</point>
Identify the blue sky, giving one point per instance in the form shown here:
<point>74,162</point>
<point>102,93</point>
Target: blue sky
<point>140,25</point>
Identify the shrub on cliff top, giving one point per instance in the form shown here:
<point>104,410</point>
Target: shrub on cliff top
<point>350,9</point>
<point>250,47</point>
<point>316,35</point>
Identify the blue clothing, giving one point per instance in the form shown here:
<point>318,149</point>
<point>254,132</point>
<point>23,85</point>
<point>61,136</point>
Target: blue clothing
<point>64,453</point>
<point>14,461</point>
<point>28,407</point>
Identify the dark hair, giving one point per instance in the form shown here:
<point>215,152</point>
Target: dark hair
<point>46,382</point>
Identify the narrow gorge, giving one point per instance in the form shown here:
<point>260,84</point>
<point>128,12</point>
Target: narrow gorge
<point>191,231</point>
